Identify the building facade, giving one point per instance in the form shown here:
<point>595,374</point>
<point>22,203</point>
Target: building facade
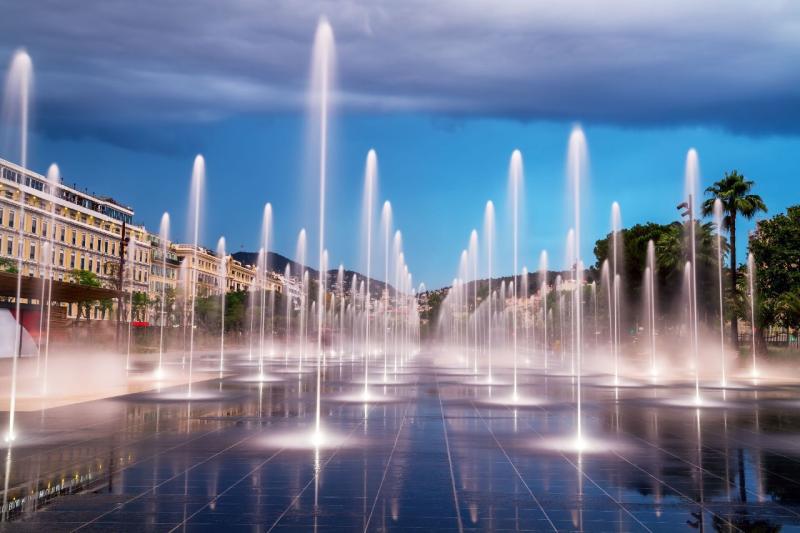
<point>53,227</point>
<point>59,230</point>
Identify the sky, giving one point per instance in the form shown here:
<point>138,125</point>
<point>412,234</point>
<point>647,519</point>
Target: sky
<point>127,93</point>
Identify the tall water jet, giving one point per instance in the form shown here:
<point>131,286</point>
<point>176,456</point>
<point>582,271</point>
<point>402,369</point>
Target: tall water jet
<point>18,86</point>
<point>718,221</point>
<point>320,353</point>
<point>54,180</point>
<point>302,275</point>
<point>515,178</point>
<point>594,314</point>
<point>577,167</point>
<point>46,265</point>
<point>473,255</point>
<point>616,229</point>
<point>386,226</point>
<point>222,279</point>
<point>266,237</point>
<point>340,287</point>
<point>488,238</point>
<point>463,304</point>
<point>692,178</point>
<point>198,183</point>
<point>163,235</point>
<point>650,275</point>
<point>570,266</point>
<point>751,275</point>
<point>321,88</point>
<point>287,274</point>
<point>543,295</point>
<point>397,253</point>
<point>131,261</point>
<point>370,183</point>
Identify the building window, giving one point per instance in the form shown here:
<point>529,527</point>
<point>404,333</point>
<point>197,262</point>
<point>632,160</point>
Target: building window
<point>74,237</point>
<point>44,229</point>
<point>91,264</point>
<point>10,246</point>
<point>34,224</point>
<point>11,216</point>
<point>72,260</point>
<point>61,258</point>
<point>83,262</point>
<point>32,251</point>
<point>1,215</point>
<point>106,246</point>
<point>63,233</point>
<point>83,240</point>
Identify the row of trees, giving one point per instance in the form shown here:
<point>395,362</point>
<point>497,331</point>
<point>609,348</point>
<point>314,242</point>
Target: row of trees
<point>775,245</point>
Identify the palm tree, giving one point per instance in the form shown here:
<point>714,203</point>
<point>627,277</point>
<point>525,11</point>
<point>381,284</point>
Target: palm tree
<point>733,191</point>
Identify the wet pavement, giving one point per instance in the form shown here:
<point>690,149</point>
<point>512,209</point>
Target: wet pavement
<point>436,449</point>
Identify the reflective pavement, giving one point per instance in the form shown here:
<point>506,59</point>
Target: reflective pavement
<point>435,449</point>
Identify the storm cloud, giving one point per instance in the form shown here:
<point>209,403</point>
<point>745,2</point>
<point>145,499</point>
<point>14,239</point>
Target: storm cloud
<point>107,67</point>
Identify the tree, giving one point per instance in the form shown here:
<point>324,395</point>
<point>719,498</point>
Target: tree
<point>671,254</point>
<point>8,265</point>
<point>139,303</point>
<point>733,191</point>
<point>776,251</point>
<point>89,279</point>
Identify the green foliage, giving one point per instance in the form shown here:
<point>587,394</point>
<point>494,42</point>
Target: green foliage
<point>235,311</point>
<point>733,191</point>
<point>89,279</point>
<point>671,254</point>
<point>84,277</point>
<point>776,250</point>
<point>139,303</point>
<point>8,265</point>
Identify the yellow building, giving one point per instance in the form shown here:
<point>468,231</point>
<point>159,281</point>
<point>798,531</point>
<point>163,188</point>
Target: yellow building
<point>237,277</point>
<point>82,231</point>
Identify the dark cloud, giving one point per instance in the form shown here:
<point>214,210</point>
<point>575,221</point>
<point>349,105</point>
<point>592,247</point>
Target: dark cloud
<point>108,67</point>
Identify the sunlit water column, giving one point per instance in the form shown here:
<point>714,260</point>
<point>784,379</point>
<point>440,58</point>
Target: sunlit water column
<point>198,180</point>
<point>651,304</point>
<point>718,221</point>
<point>18,86</point>
<point>751,275</point>
<point>370,179</point>
<point>266,234</point>
<point>386,223</point>
<point>222,280</point>
<point>54,179</point>
<point>515,175</point>
<point>131,271</point>
<point>691,178</point>
<point>577,160</point>
<point>488,237</point>
<point>616,228</point>
<point>322,67</point>
<point>473,256</point>
<point>164,237</point>
<point>543,295</point>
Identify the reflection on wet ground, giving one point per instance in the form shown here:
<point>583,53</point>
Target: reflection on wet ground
<point>442,452</point>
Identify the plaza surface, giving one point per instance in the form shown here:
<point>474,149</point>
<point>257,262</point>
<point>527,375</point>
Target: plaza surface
<point>436,448</point>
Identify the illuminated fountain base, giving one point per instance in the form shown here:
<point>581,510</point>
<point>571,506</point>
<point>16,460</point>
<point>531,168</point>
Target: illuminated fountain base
<point>583,445</point>
<point>309,439</point>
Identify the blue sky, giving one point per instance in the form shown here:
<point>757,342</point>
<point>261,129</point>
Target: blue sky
<point>126,95</point>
